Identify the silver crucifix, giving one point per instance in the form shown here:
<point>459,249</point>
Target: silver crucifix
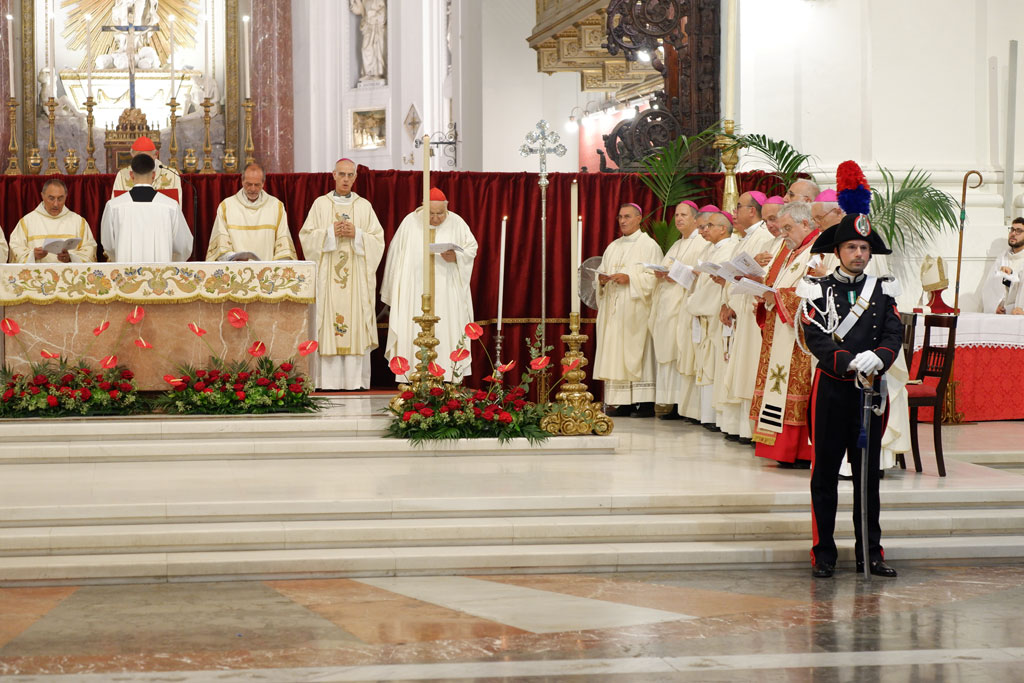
<point>543,141</point>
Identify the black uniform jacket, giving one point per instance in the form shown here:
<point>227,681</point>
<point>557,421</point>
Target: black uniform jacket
<point>879,328</point>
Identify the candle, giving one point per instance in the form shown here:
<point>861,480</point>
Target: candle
<point>246,52</point>
<point>171,49</point>
<point>426,214</point>
<point>10,52</point>
<point>730,64</point>
<point>52,65</point>
<point>88,55</point>
<point>574,249</point>
<point>501,271</point>
<point>206,43</point>
<point>579,241</point>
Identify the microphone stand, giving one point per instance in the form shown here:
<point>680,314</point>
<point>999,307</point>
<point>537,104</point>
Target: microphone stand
<point>195,205</point>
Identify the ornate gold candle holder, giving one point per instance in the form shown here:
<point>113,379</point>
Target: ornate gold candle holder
<point>250,148</point>
<point>90,147</point>
<point>230,161</point>
<point>34,162</point>
<point>51,160</point>
<point>172,151</point>
<point>13,167</point>
<point>578,413</point>
<point>730,157</point>
<point>426,342</point>
<point>190,163</point>
<point>207,147</point>
<point>71,162</point>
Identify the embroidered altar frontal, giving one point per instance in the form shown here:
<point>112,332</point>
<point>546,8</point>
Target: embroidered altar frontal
<point>60,308</point>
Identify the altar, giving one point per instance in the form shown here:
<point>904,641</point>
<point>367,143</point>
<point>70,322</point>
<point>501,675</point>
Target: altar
<point>156,317</point>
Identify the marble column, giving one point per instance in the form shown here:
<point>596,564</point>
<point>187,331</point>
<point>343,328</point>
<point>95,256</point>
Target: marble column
<point>273,127</point>
<point>6,7</point>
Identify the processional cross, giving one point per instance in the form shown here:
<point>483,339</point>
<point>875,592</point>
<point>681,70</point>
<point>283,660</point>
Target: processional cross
<point>131,29</point>
<point>543,141</point>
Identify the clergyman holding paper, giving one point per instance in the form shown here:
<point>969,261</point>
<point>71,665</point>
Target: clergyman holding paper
<point>52,233</point>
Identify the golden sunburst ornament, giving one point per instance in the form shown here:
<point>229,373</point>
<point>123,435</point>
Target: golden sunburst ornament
<point>185,12</point>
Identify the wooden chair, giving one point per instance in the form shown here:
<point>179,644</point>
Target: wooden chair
<point>936,361</point>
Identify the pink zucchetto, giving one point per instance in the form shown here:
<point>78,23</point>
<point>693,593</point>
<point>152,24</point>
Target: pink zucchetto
<point>709,208</point>
<point>827,196</point>
<point>692,205</point>
<point>759,197</point>
<point>728,215</point>
<point>775,199</point>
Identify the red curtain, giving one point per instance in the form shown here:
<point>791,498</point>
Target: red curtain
<point>480,198</point>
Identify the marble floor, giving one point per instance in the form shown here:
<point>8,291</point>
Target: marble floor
<point>955,621</point>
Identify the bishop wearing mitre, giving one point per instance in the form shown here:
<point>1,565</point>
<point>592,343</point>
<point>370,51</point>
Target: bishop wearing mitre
<point>52,233</point>
<point>402,287</point>
<point>164,179</point>
<point>343,236</point>
<point>251,225</point>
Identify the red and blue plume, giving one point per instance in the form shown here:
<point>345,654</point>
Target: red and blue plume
<point>853,189</point>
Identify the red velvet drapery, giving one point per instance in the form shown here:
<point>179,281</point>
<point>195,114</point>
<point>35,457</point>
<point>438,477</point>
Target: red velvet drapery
<point>480,198</point>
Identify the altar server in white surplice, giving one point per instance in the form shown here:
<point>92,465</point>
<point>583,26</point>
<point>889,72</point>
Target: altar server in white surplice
<point>52,220</point>
<point>625,354</point>
<point>142,225</point>
<point>1000,292</point>
<point>163,179</point>
<point>251,221</point>
<point>345,239</point>
<point>402,286</point>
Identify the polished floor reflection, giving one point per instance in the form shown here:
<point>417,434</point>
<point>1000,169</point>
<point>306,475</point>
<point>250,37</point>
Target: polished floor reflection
<point>949,623</point>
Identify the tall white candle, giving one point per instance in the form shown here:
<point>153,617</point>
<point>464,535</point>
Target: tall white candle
<point>426,214</point>
<point>10,52</point>
<point>501,271</point>
<point>574,248</point>
<point>246,52</point>
<point>52,61</point>
<point>730,64</point>
<point>579,241</point>
<point>170,48</point>
<point>88,55</point>
<point>206,41</point>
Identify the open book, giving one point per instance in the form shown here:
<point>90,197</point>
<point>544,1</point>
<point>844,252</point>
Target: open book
<point>655,267</point>
<point>440,247</point>
<point>748,286</point>
<point>707,267</point>
<point>58,246</point>
<point>682,274</point>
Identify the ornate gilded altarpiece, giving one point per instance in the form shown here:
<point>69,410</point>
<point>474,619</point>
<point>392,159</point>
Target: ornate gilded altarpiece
<point>101,10</point>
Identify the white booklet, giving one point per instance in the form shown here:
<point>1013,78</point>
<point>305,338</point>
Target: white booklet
<point>682,274</point>
<point>57,246</point>
<point>440,247</point>
<point>746,264</point>
<point>707,267</point>
<point>655,267</point>
<point>729,271</point>
<point>748,286</point>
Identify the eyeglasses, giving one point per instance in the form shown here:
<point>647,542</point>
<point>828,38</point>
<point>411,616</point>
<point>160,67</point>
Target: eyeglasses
<point>1017,231</point>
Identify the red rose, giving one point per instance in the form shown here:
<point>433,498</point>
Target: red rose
<point>287,367</point>
<point>453,404</point>
<point>114,393</point>
<point>405,417</point>
<point>280,375</point>
<point>295,388</point>
<point>443,409</point>
<point>105,386</point>
<point>505,417</point>
<point>479,395</point>
<point>33,390</point>
<point>39,379</point>
<point>199,386</point>
<point>86,394</point>
<point>262,382</point>
<point>214,374</point>
<point>202,373</point>
<point>244,376</point>
<point>300,380</point>
<point>127,374</point>
<point>52,401</point>
<point>208,390</point>
<point>8,395</point>
<point>519,404</point>
<point>237,387</point>
<point>418,405</point>
<point>85,371</point>
<point>181,386</point>
<point>477,411</point>
<point>406,395</point>
<point>426,412</point>
<point>124,386</point>
<point>436,391</point>
<point>240,395</point>
<point>66,379</point>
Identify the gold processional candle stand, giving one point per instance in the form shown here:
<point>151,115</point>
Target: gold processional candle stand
<point>426,342</point>
<point>577,414</point>
<point>13,167</point>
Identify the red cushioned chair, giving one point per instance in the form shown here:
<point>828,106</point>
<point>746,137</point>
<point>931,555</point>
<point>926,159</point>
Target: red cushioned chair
<point>936,361</point>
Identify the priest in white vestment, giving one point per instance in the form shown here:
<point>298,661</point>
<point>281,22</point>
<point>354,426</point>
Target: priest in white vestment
<point>251,223</point>
<point>345,239</point>
<point>666,306</point>
<point>709,336</point>
<point>1000,292</point>
<point>142,225</point>
<point>50,223</point>
<point>163,179</point>
<point>753,238</point>
<point>625,354</point>
<point>4,250</point>
<point>402,286</point>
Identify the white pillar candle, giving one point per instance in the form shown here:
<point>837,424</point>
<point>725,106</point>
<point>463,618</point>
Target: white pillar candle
<point>730,64</point>
<point>574,248</point>
<point>501,271</point>
<point>206,41</point>
<point>170,48</point>
<point>246,52</point>
<point>10,53</point>
<point>426,214</point>
<point>88,55</point>
<point>52,61</point>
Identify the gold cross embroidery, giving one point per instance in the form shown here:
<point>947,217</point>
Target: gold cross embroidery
<point>778,376</point>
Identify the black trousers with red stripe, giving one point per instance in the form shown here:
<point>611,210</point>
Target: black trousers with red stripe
<point>836,413</point>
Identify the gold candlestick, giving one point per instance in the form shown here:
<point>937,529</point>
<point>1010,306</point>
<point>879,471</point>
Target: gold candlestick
<point>207,147</point>
<point>13,167</point>
<point>172,151</point>
<point>90,147</point>
<point>250,148</point>
<point>51,161</point>
<point>730,157</point>
<point>577,414</point>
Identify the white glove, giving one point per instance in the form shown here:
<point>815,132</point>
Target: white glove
<point>866,363</point>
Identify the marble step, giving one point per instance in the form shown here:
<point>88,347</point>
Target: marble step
<point>292,535</point>
<point>592,557</point>
<point>1000,459</point>
<point>310,442</point>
